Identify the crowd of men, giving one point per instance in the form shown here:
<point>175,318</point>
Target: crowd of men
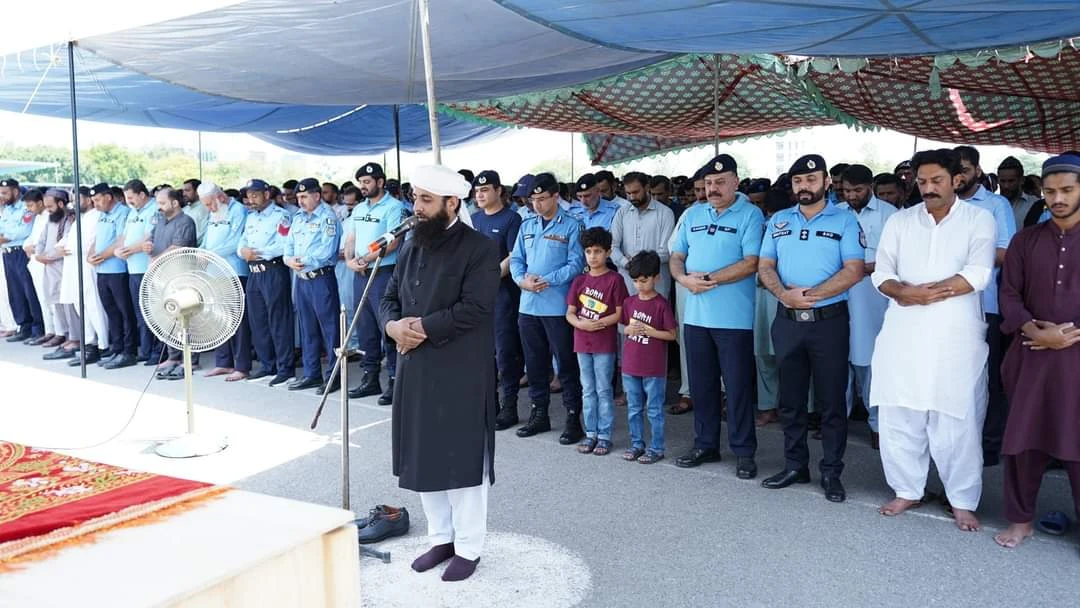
<point>801,300</point>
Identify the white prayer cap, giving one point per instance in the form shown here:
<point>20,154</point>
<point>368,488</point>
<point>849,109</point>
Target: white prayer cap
<point>440,180</point>
<point>209,189</point>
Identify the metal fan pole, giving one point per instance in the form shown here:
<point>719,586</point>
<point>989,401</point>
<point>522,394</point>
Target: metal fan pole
<point>188,395</point>
<point>344,354</point>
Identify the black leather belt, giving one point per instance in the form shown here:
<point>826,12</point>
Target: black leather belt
<point>11,249</point>
<point>307,276</point>
<point>388,269</point>
<point>264,265</point>
<point>810,315</point>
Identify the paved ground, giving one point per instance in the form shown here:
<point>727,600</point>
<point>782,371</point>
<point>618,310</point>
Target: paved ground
<point>568,528</point>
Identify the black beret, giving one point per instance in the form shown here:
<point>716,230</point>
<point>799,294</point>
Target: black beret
<point>9,183</point>
<point>808,163</point>
<point>373,170</point>
<point>585,182</point>
<point>101,188</point>
<point>545,182</point>
<point>722,163</point>
<point>309,184</point>
<point>487,178</point>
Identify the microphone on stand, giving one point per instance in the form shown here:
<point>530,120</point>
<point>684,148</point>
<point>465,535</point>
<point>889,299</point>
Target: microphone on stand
<point>394,233</point>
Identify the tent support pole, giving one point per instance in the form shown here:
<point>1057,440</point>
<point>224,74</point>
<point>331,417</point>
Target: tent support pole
<point>78,204</point>
<point>200,157</point>
<point>572,174</point>
<point>429,77</point>
<point>397,139</point>
<point>716,105</point>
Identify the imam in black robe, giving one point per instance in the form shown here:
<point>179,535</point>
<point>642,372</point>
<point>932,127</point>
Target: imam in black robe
<point>444,392</point>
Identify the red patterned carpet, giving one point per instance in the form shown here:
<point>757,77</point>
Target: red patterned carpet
<point>49,500</point>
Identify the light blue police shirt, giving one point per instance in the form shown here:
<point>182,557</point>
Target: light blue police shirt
<point>16,223</point>
<point>370,221</point>
<point>110,226</point>
<point>552,252</point>
<point>137,227</point>
<point>866,306</point>
<point>808,252</point>
<point>266,232</point>
<point>314,238</point>
<point>225,231</point>
<point>712,240</point>
<point>1005,220</point>
<point>601,217</point>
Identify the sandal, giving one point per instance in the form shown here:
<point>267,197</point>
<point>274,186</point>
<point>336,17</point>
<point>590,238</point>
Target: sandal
<point>1054,523</point>
<point>683,406</point>
<point>603,446</point>
<point>633,453</point>
<point>587,445</point>
<point>650,457</point>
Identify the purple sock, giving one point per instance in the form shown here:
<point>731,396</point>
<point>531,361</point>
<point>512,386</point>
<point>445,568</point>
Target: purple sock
<point>460,569</point>
<point>435,556</point>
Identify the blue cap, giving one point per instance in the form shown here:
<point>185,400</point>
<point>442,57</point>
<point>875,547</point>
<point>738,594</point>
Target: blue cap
<point>523,185</point>
<point>309,185</point>
<point>257,185</point>
<point>1064,163</point>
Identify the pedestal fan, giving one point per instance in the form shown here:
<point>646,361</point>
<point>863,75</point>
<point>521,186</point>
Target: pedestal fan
<point>192,300</point>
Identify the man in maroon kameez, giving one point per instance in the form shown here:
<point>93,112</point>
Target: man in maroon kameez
<point>1040,298</point>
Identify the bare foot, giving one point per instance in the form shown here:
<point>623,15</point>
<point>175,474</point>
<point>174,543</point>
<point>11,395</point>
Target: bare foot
<point>898,506</point>
<point>966,520</point>
<point>1015,535</point>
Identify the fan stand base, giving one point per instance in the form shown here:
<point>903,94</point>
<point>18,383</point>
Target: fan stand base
<point>191,446</point>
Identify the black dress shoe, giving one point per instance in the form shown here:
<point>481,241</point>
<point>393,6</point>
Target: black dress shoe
<point>573,432</point>
<point>506,418</point>
<point>538,422</point>
<point>106,357</point>
<point>93,355</point>
<point>163,372</point>
<point>834,490</point>
<point>785,478</point>
<point>262,373</point>
<point>335,386</point>
<point>142,359</point>
<point>369,385</point>
<point>389,523</point>
<point>21,336</point>
<point>373,514</point>
<point>387,397</point>
<point>697,457</point>
<point>280,379</point>
<point>304,383</point>
<point>746,468</point>
<point>59,354</point>
<point>121,361</point>
<point>38,341</point>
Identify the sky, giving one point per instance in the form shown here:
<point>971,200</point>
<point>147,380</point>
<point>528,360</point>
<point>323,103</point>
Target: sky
<point>513,153</point>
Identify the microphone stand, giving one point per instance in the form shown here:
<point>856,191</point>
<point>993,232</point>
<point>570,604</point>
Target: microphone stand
<point>341,364</point>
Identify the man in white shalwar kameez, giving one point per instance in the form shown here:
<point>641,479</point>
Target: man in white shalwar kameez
<point>929,363</point>
<point>35,203</point>
<point>95,326</point>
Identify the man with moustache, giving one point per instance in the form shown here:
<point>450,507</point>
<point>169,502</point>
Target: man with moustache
<point>439,310</point>
<point>227,218</point>
<point>57,221</point>
<point>112,276</point>
<point>91,332</point>
<point>16,224</point>
<point>195,209</point>
<point>140,221</point>
<point>811,256</point>
<point>932,261</point>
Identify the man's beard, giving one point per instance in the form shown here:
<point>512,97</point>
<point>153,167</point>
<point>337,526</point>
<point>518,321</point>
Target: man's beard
<point>429,230</point>
<point>967,188</point>
<point>812,198</point>
<point>56,216</point>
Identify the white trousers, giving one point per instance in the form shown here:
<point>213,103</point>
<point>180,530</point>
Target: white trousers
<point>459,516</point>
<point>909,438</point>
<point>37,276</point>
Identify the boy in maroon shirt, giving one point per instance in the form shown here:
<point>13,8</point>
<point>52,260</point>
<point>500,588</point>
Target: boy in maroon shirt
<point>650,325</point>
<point>593,308</point>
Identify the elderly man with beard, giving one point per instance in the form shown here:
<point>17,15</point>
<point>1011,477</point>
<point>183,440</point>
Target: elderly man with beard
<point>58,219</point>
<point>223,235</point>
<point>932,261</point>
<point>93,330</point>
<point>439,309</point>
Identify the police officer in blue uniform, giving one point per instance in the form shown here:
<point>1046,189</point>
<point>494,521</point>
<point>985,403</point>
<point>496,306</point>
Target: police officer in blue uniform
<point>224,232</point>
<point>811,255</point>
<point>112,277</point>
<point>269,288</point>
<point>373,217</point>
<point>141,218</point>
<point>590,209</point>
<point>715,256</point>
<point>311,250</point>
<point>546,257</point>
<point>501,224</point>
<point>16,223</point>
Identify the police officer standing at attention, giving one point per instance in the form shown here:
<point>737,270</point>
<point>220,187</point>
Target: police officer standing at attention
<point>112,276</point>
<point>501,224</point>
<point>592,210</point>
<point>715,256</point>
<point>268,293</point>
<point>140,221</point>
<point>15,226</point>
<point>373,217</point>
<point>546,257</point>
<point>310,251</point>
<point>811,255</point>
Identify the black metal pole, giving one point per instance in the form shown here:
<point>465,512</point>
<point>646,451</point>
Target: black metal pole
<point>397,140</point>
<point>78,205</point>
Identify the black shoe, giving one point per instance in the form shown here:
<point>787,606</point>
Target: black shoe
<point>388,523</point>
<point>697,457</point>
<point>121,361</point>
<point>59,354</point>
<point>785,478</point>
<point>304,383</point>
<point>142,359</point>
<point>22,336</point>
<point>573,432</point>
<point>106,357</point>
<point>163,372</point>
<point>369,385</point>
<point>506,418</point>
<point>335,386</point>
<point>538,422</point>
<point>373,514</point>
<point>38,341</point>
<point>746,468</point>
<point>280,379</point>
<point>93,355</point>
<point>262,373</point>
<point>387,397</point>
<point>834,490</point>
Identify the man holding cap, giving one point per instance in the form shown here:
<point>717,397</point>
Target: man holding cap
<point>268,296</point>
<point>715,256</point>
<point>439,309</point>
<point>546,257</point>
<point>373,217</point>
<point>15,226</point>
<point>811,255</point>
<point>1038,299</point>
<point>310,250</point>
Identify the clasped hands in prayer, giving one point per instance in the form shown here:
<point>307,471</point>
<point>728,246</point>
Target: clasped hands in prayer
<point>924,294</point>
<point>407,333</point>
<point>1044,335</point>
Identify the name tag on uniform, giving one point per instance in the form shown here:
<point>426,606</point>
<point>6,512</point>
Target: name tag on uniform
<point>829,235</point>
<point>699,228</point>
<point>780,233</point>
<point>495,230</point>
<point>528,236</point>
<point>557,238</point>
<point>727,229</point>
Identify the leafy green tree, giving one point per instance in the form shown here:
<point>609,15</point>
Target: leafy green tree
<point>112,164</point>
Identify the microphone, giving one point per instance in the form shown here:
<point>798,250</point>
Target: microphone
<point>394,233</point>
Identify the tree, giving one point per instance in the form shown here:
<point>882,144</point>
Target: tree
<point>171,170</point>
<point>112,164</point>
<point>62,173</point>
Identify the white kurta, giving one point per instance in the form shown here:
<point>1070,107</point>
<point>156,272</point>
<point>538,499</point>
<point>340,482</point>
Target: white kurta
<point>929,362</point>
<point>37,270</point>
<point>95,324</point>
